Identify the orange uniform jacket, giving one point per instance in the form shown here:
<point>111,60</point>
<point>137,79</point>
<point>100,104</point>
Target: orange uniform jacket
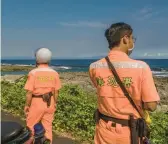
<point>136,77</point>
<point>42,80</point>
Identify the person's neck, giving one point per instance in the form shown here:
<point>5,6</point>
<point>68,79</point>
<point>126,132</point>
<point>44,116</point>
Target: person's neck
<point>119,49</point>
<point>42,65</point>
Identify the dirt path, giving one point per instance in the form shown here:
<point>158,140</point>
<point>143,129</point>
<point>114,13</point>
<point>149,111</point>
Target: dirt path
<point>56,139</point>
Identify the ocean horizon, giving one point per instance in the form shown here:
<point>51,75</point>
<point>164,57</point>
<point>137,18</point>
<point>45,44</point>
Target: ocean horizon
<point>159,67</point>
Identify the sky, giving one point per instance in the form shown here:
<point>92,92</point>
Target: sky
<point>75,28</point>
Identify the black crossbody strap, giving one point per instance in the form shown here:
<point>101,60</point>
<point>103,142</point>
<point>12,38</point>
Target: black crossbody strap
<point>121,85</point>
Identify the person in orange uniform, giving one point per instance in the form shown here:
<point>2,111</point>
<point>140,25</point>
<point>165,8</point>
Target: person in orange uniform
<point>42,81</point>
<point>136,77</point>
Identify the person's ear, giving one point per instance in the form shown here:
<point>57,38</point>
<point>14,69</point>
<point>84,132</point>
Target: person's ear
<point>125,39</point>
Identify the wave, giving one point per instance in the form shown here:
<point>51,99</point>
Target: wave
<point>160,73</point>
<point>6,64</point>
<point>61,67</point>
<point>24,65</point>
<point>56,67</point>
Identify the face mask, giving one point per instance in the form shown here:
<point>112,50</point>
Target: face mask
<point>130,50</point>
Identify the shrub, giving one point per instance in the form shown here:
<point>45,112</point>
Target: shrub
<point>74,112</point>
<point>13,96</point>
<point>159,128</point>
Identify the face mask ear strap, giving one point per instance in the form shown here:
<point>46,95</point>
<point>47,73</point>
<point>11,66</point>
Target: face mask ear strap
<point>133,45</point>
<point>130,50</point>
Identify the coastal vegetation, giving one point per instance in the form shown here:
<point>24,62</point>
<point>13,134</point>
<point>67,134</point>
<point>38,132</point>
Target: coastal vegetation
<point>8,68</point>
<point>75,110</point>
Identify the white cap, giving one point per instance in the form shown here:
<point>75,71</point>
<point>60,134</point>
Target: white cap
<point>43,55</point>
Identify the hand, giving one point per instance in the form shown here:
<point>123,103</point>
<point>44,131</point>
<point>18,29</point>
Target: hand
<point>26,110</point>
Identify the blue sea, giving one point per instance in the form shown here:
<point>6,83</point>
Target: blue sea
<point>159,67</point>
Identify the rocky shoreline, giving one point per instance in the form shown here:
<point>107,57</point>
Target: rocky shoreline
<point>12,68</point>
<point>82,78</point>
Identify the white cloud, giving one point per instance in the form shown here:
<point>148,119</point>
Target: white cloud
<point>151,54</point>
<point>145,13</point>
<point>84,24</point>
<point>145,10</point>
<point>145,54</point>
<point>149,15</point>
<point>162,54</point>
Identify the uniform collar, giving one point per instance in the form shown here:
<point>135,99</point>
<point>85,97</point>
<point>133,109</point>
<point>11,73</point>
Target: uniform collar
<point>117,54</point>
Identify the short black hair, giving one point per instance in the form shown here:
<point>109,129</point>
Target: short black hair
<point>116,32</point>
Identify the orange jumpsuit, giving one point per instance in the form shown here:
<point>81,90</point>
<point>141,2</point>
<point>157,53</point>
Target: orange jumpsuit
<point>42,80</point>
<point>137,78</point>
